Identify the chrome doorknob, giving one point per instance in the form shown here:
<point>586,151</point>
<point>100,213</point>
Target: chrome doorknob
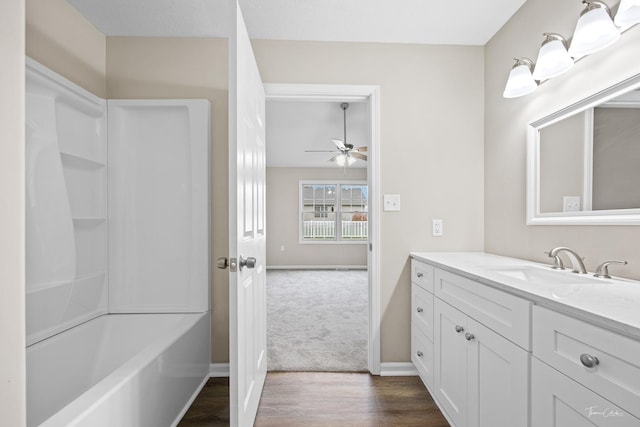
<point>223,262</point>
<point>419,310</point>
<point>247,262</point>
<point>419,353</point>
<point>419,275</point>
<point>469,336</point>
<point>459,328</point>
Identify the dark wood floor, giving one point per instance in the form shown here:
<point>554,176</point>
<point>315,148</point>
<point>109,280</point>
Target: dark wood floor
<point>324,399</point>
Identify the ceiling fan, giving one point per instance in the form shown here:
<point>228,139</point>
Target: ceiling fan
<point>347,154</point>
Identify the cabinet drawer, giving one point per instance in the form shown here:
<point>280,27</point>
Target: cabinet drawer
<point>422,274</point>
<point>557,400</point>
<point>560,341</point>
<point>422,310</point>
<point>506,314</point>
<point>422,356</point>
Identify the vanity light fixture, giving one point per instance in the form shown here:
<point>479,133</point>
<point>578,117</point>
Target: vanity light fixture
<point>521,81</point>
<point>595,30</point>
<point>553,58</point>
<point>628,14</point>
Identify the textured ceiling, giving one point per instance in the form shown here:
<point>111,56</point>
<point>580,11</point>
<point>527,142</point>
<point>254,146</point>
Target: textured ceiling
<point>458,22</point>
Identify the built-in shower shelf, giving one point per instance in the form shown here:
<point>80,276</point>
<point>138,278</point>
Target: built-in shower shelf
<point>80,162</point>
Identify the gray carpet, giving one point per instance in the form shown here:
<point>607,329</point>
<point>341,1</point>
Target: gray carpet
<point>317,320</point>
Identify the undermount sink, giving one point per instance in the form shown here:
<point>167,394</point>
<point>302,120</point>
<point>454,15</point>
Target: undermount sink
<point>546,277</point>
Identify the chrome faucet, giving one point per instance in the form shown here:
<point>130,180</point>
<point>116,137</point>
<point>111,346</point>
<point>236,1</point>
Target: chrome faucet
<point>576,261</point>
<point>603,269</point>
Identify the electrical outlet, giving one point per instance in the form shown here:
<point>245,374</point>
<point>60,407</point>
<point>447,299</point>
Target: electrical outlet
<point>437,227</point>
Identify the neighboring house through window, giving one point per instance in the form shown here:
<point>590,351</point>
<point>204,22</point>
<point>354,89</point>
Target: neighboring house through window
<point>333,211</point>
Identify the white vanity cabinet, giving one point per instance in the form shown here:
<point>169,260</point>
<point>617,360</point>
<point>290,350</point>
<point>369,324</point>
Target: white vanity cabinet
<point>517,344</point>
<point>582,375</point>
<point>422,320</point>
<point>480,377</point>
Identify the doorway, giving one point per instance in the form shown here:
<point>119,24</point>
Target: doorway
<point>366,96</point>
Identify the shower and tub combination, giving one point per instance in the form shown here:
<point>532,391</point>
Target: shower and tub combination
<point>117,224</point>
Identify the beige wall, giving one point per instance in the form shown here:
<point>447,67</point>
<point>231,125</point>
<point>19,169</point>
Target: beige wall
<point>431,149</point>
<point>12,332</point>
<point>283,220</point>
<point>186,68</point>
<point>431,138</point>
<point>61,39</point>
<point>505,137</point>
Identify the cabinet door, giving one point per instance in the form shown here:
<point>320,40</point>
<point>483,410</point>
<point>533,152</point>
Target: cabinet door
<point>557,400</point>
<point>422,356</point>
<point>450,361</point>
<point>498,379</point>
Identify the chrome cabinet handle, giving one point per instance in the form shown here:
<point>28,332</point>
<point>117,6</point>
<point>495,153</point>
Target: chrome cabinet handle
<point>469,336</point>
<point>419,275</point>
<point>459,328</point>
<point>419,310</point>
<point>589,361</point>
<point>419,353</point>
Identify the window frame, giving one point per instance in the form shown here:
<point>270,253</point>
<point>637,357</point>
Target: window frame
<point>338,212</point>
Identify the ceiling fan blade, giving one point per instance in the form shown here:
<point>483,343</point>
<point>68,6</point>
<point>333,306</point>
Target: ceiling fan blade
<point>339,144</point>
<point>361,149</point>
<point>319,151</point>
<point>334,158</point>
<point>358,155</point>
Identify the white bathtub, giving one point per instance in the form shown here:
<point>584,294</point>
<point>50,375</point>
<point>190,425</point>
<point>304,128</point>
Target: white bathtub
<point>119,370</point>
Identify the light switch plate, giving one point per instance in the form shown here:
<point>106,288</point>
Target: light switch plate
<point>391,202</point>
<point>571,204</point>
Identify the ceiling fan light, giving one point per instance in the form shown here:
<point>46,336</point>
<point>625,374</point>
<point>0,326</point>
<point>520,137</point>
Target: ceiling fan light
<point>595,30</point>
<point>553,58</point>
<point>350,160</point>
<point>628,14</point>
<point>341,159</point>
<point>520,80</point>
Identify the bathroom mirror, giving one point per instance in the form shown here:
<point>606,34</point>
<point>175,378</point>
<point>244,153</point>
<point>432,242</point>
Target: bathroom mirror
<point>583,162</point>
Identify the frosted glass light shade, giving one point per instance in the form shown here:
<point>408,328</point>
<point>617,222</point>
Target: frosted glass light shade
<point>520,80</point>
<point>595,31</point>
<point>628,14</point>
<point>553,60</point>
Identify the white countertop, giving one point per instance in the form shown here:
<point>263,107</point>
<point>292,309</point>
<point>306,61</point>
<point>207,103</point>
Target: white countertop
<point>611,303</point>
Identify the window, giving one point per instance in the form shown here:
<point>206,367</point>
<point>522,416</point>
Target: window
<point>333,212</point>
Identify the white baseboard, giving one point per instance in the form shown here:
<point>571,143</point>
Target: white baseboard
<point>316,267</point>
<point>398,369</point>
<point>218,370</point>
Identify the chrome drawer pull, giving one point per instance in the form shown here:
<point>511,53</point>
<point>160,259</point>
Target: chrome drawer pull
<point>419,353</point>
<point>469,336</point>
<point>589,361</point>
<point>419,310</point>
<point>459,328</point>
<point>419,275</point>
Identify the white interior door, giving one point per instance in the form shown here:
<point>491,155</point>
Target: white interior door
<point>247,296</point>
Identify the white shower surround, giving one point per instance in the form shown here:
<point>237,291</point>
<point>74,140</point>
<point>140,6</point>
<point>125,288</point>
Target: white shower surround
<point>142,246</point>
